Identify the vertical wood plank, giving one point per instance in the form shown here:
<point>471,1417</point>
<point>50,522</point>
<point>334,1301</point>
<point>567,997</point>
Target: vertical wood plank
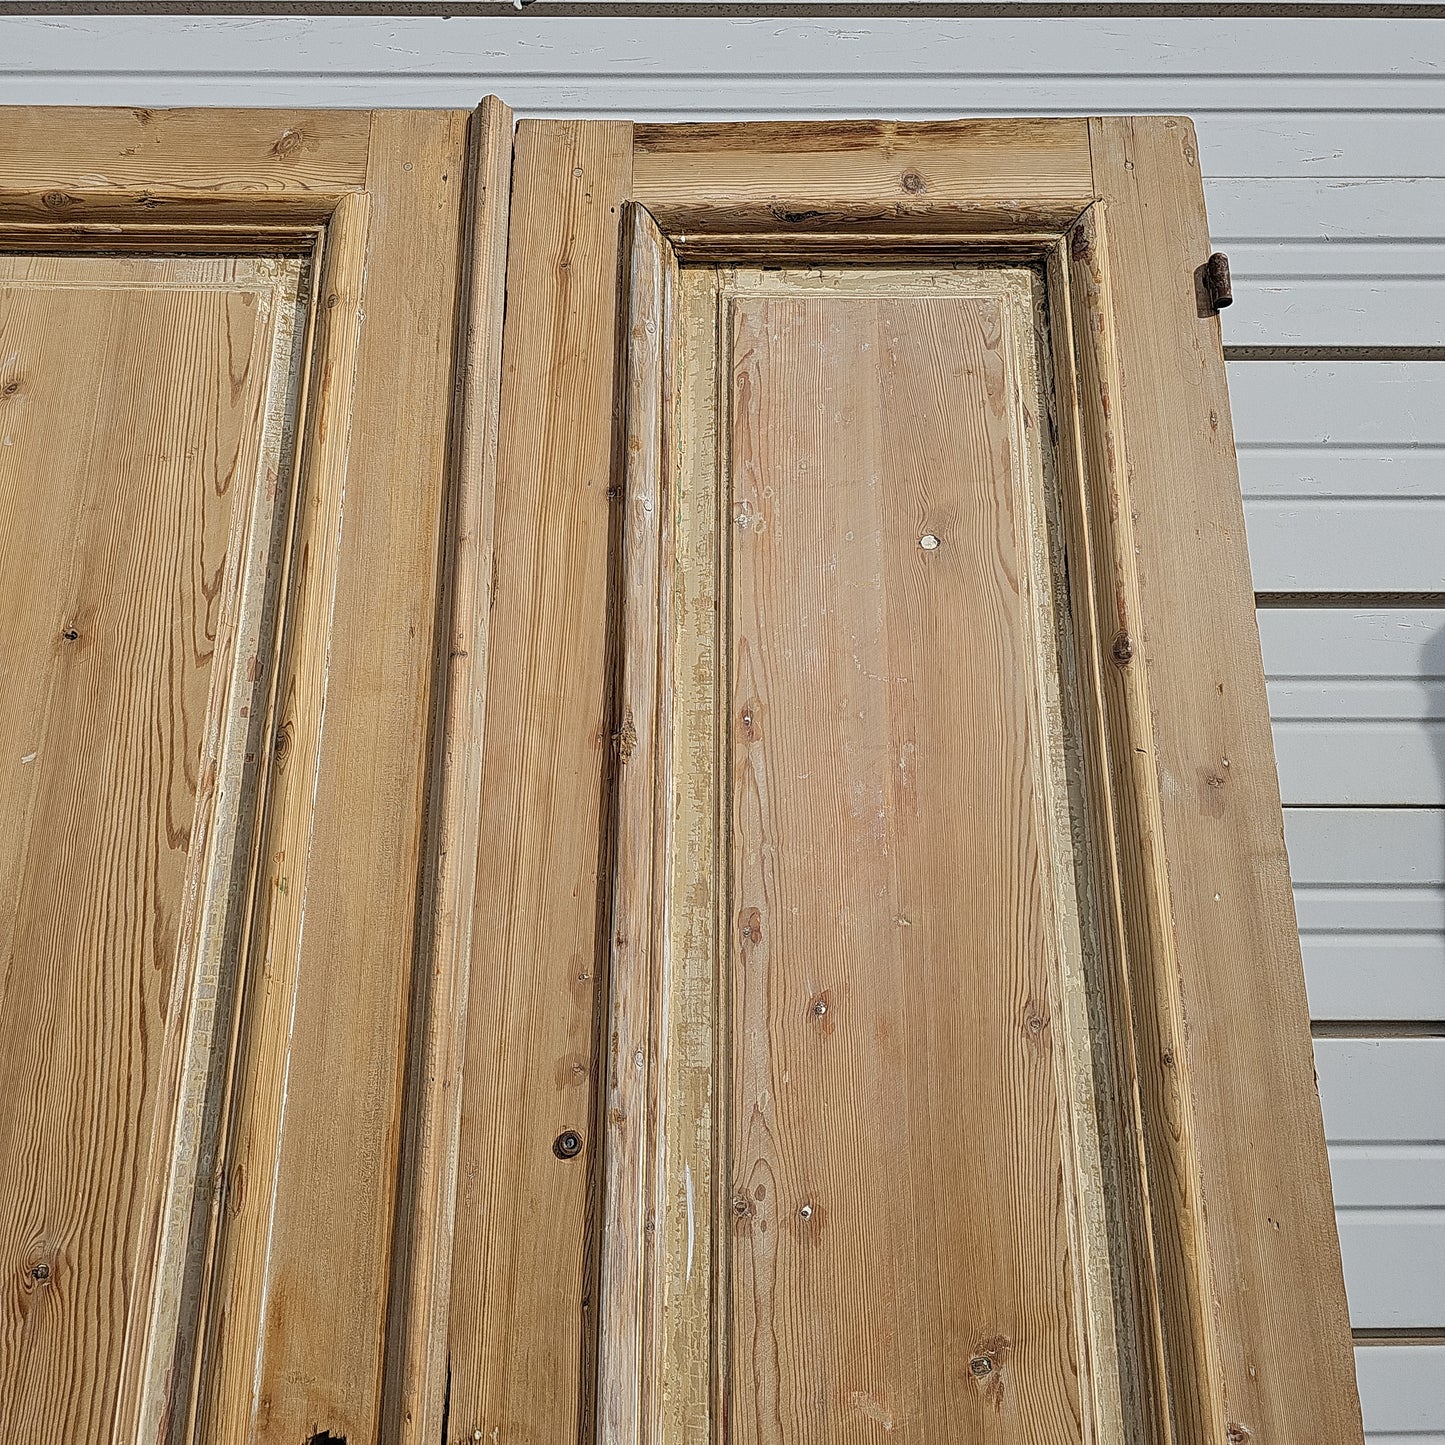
<point>321,1368</point>
<point>301,1299</point>
<point>422,1268</point>
<point>1236,1049</point>
<point>523,1289</point>
<point>638,937</point>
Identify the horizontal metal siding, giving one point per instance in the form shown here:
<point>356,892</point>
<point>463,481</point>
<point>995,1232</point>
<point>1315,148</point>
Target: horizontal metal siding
<point>1322,143</point>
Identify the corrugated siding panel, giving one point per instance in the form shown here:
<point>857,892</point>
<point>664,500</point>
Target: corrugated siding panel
<point>1323,148</point>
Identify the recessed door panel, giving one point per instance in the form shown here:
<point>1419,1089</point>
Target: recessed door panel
<point>872,1056</point>
<point>899,1249</point>
<point>145,405</point>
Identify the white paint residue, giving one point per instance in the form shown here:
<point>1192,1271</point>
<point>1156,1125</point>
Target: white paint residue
<point>29,757</point>
<point>874,1407</point>
<point>691,1217</point>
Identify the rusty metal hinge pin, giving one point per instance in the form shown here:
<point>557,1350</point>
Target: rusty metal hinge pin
<point>1214,284</point>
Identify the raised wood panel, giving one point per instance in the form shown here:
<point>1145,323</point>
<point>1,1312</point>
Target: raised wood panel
<point>144,411</point>
<point>895,1120</point>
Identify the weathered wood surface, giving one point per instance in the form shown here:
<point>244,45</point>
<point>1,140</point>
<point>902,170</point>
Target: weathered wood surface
<point>885,175</point>
<point>137,426</point>
<point>417,1391</point>
<point>522,1336</point>
<point>635,1035</point>
<point>299,1305</point>
<point>900,1254</point>
<point>66,154</point>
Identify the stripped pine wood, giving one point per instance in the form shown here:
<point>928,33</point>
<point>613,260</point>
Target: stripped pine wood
<point>128,514</point>
<point>343,860</point>
<point>847,994</point>
<point>636,1036</point>
<point>901,1255</point>
<point>699,1038</point>
<point>522,1332</point>
<point>418,1397</point>
<point>1271,1319</point>
<point>883,175</point>
<point>70,155</point>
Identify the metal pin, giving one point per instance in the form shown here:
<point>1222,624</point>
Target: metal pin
<point>567,1144</point>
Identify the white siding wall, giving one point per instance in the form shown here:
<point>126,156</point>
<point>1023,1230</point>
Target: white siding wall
<point>1323,145</point>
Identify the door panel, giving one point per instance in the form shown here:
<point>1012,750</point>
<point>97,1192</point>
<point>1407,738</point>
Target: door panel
<point>899,1252</point>
<point>147,405</point>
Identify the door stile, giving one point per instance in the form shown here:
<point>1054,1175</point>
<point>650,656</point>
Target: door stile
<point>421,1270</point>
<point>1156,1066</point>
<point>1259,1292</point>
<point>633,1122</point>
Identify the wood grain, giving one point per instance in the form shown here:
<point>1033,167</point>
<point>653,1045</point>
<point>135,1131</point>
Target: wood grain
<point>300,1300</point>
<point>523,1289</point>
<point>135,417</point>
<point>417,1395</point>
<point>635,1036</point>
<point>66,154</point>
<point>880,176</point>
<point>1231,1060</point>
<point>901,1253</point>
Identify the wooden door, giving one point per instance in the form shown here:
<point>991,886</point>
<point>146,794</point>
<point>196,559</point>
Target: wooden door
<point>886,1018</point>
<point>234,487</point>
<point>701,864</point>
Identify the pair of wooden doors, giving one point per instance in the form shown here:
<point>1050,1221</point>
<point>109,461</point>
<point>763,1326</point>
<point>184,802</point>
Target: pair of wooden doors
<point>637,797</point>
